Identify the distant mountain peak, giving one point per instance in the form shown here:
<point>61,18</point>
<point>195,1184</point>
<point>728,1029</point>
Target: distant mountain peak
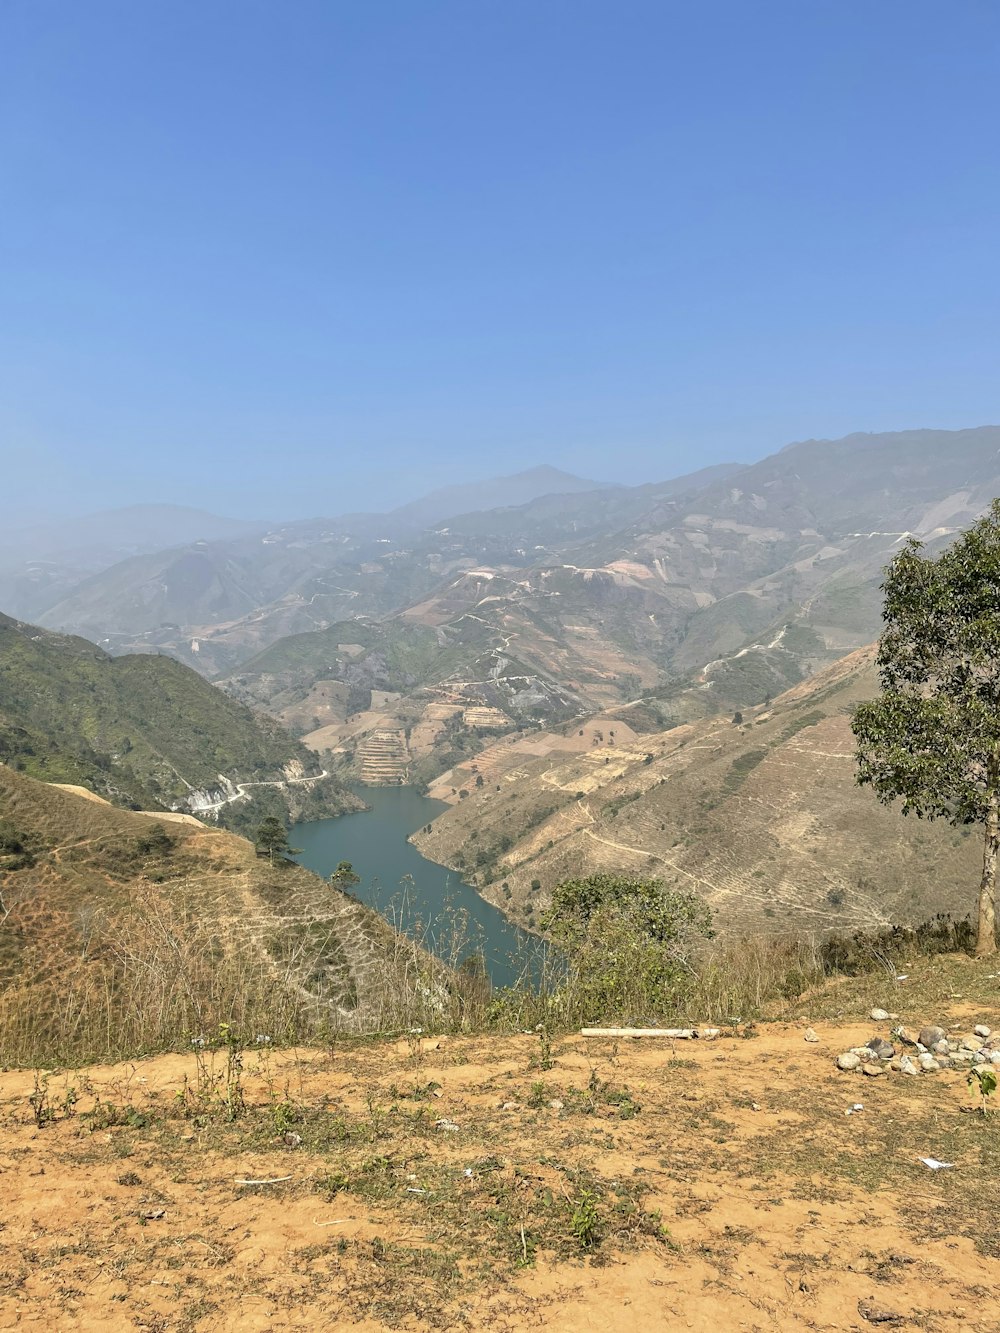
<point>494,493</point>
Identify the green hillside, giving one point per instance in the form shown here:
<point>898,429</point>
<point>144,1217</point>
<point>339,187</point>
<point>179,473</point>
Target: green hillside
<point>362,655</point>
<point>143,731</point>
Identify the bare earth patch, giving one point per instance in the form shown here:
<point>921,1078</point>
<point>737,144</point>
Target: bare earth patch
<point>461,1182</point>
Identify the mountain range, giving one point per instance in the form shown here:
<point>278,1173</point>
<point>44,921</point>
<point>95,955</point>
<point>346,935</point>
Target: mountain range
<point>713,591</point>
<point>660,673</point>
<point>710,591</point>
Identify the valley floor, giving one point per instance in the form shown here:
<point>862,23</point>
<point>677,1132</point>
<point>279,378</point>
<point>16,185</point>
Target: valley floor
<point>464,1182</point>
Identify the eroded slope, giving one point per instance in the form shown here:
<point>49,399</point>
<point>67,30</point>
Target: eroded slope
<point>762,818</point>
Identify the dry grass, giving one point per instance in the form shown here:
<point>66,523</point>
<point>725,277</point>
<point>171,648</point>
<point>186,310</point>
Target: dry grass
<point>115,943</point>
<point>634,1185</point>
<point>763,820</point>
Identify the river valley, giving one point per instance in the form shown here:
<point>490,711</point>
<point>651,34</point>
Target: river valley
<point>416,895</point>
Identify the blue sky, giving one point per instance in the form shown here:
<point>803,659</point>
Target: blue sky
<point>293,258</point>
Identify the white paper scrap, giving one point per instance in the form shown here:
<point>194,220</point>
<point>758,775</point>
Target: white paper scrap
<point>934,1164</point>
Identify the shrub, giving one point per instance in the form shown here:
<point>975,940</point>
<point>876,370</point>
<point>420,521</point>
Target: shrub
<point>628,945</point>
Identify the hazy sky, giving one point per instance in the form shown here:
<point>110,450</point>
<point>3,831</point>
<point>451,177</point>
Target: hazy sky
<point>287,258</point>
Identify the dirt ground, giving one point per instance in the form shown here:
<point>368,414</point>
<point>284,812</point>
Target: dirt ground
<point>507,1183</point>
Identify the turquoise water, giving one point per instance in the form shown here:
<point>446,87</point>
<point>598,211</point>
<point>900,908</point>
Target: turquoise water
<point>420,896</point>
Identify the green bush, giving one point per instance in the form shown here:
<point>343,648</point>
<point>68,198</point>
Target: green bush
<point>627,943</point>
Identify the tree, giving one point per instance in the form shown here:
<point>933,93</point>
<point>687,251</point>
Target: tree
<point>157,842</point>
<point>271,840</point>
<point>345,877</point>
<point>932,737</point>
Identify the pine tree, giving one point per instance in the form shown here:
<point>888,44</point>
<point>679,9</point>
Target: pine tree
<point>271,840</point>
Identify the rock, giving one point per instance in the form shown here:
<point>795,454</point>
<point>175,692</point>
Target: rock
<point>809,1035</point>
<point>848,1060</point>
<point>981,1030</point>
<point>556,1104</point>
<point>969,1044</point>
<point>983,1069</point>
<point>896,1065</point>
<point>995,1057</point>
<point>883,1049</point>
<point>941,1047</point>
<point>879,1015</point>
<point>906,1066</point>
<point>511,1106</point>
<point>932,1034</point>
<point>878,1314</point>
<point>964,1057</point>
<point>708,1034</point>
<point>907,1038</point>
<point>873,1070</point>
<point>927,1063</point>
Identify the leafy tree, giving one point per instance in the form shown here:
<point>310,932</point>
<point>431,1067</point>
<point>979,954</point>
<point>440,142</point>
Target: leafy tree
<point>932,737</point>
<point>271,840</point>
<point>345,877</point>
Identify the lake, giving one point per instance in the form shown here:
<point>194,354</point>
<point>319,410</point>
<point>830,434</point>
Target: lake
<point>417,895</point>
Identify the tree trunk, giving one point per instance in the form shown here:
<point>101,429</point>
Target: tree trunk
<point>986,936</point>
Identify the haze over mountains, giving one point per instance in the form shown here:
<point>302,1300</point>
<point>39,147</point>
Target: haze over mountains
<point>40,561</point>
<point>472,635</point>
<point>709,592</point>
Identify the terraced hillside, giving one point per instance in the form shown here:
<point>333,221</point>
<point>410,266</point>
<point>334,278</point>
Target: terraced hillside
<point>123,931</point>
<point>762,816</point>
<point>694,598</point>
<point>215,604</point>
<point>437,683</point>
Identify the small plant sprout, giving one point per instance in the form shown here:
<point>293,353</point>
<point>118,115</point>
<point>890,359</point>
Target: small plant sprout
<point>585,1221</point>
<point>40,1101</point>
<point>983,1084</point>
<point>544,1047</point>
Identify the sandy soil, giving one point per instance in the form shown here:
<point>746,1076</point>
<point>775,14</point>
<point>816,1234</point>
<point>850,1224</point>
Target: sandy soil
<point>171,816</point>
<point>594,739</point>
<point>728,1189</point>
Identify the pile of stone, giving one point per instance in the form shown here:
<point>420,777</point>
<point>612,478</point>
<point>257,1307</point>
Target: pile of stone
<point>925,1052</point>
